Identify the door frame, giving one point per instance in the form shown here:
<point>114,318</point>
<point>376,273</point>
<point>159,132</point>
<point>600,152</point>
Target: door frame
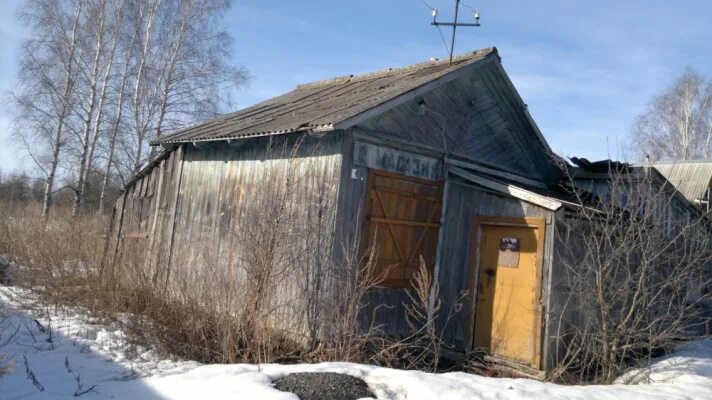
<point>478,224</point>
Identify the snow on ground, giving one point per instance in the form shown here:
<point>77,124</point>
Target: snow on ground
<point>83,353</point>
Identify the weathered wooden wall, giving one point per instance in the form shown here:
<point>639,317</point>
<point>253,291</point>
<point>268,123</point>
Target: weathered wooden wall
<point>197,208</point>
<point>670,210</point>
<point>562,313</point>
<point>475,116</point>
<point>206,215</point>
<point>195,212</point>
<point>463,203</point>
<point>143,214</point>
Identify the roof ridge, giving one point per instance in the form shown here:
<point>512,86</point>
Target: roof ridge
<point>389,71</point>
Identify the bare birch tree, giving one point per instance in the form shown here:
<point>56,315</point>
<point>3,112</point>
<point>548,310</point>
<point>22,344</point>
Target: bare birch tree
<point>194,65</point>
<point>123,78</point>
<point>675,124</point>
<point>182,68</point>
<point>44,97</point>
<point>109,18</point>
<point>144,17</point>
<point>85,114</point>
<point>97,11</point>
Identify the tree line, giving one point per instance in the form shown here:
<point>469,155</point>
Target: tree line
<point>98,79</point>
<point>21,187</point>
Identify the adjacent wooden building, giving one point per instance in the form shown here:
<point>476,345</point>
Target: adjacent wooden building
<point>434,161</point>
<point>672,207</point>
<point>692,178</point>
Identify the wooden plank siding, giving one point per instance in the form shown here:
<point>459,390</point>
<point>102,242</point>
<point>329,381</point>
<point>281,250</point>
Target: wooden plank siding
<point>476,117</point>
<point>561,313</point>
<point>140,211</point>
<point>465,203</point>
<point>193,206</point>
<point>189,218</point>
<point>671,210</point>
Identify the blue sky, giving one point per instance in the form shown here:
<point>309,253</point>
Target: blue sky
<point>585,68</point>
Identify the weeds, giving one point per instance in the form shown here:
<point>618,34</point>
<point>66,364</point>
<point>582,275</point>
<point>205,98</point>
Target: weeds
<point>273,292</point>
<point>197,318</point>
<point>31,375</point>
<point>82,389</point>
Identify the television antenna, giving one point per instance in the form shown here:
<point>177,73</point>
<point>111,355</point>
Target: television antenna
<point>454,24</point>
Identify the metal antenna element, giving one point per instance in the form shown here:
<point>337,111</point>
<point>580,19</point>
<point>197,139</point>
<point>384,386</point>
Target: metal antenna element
<point>454,24</point>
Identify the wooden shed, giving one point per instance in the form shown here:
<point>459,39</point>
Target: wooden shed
<point>435,160</point>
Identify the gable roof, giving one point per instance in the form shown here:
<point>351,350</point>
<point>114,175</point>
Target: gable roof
<point>691,178</point>
<point>325,105</point>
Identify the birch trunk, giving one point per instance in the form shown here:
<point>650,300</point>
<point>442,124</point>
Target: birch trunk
<point>57,142</point>
<point>102,100</point>
<point>79,199</point>
<point>117,122</point>
<point>173,59</point>
<point>139,125</point>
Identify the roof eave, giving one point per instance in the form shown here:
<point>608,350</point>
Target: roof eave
<point>317,131</point>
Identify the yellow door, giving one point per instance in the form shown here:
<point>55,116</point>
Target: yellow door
<point>506,314</point>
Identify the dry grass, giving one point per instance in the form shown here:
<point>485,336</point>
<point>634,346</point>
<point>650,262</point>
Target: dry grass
<point>61,262</point>
<point>59,256</point>
<point>205,317</point>
<point>274,293</point>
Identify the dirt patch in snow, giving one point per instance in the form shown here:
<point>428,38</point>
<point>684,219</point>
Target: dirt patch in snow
<point>324,386</point>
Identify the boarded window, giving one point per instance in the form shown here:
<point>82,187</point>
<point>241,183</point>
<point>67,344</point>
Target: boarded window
<point>402,221</point>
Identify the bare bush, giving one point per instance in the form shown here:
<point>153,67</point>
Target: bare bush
<point>637,274</point>
<point>276,287</point>
<point>57,257</point>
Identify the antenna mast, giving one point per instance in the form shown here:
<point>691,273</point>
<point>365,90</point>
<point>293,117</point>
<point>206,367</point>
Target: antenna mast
<point>454,24</point>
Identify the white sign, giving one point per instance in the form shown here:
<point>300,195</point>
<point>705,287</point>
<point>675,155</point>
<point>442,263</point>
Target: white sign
<point>392,160</point>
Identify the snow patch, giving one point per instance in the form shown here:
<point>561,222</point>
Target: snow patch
<point>80,347</point>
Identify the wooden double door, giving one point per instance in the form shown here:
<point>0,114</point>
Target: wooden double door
<point>507,310</point>
<point>402,225</point>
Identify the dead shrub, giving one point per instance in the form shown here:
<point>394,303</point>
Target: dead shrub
<point>274,291</point>
<point>636,278</point>
<point>210,319</point>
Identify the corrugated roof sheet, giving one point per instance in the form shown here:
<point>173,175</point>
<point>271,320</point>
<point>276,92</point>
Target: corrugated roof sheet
<point>604,169</point>
<point>691,178</point>
<point>321,105</point>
